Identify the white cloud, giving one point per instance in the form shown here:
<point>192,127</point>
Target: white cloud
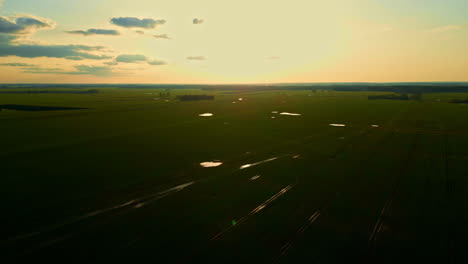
<point>447,28</point>
<point>196,58</point>
<point>162,36</point>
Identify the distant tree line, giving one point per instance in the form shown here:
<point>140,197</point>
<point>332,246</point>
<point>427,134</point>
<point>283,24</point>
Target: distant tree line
<point>400,88</point>
<point>459,101</point>
<point>408,88</point>
<point>198,97</point>
<point>37,107</point>
<point>389,97</point>
<point>90,91</point>
<point>416,96</point>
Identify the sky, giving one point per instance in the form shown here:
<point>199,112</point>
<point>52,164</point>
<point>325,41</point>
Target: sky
<point>242,41</point>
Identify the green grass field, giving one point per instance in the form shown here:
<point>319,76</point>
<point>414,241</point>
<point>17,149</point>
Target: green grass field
<point>122,181</point>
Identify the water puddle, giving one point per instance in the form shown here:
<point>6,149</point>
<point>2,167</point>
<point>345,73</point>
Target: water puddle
<point>205,114</point>
<point>289,114</point>
<point>257,163</point>
<point>375,126</point>
<point>274,112</point>
<point>273,117</point>
<point>296,156</point>
<point>255,177</point>
<point>337,125</point>
<point>240,99</point>
<point>234,102</point>
<point>211,164</point>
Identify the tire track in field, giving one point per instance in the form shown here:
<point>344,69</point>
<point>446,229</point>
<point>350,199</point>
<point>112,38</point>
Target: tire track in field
<point>257,163</point>
<point>451,223</point>
<point>254,211</point>
<point>289,244</point>
<point>380,224</point>
<point>348,145</point>
<point>300,232</point>
<point>141,201</point>
<point>285,248</point>
<point>385,213</point>
<point>313,218</point>
<point>135,203</point>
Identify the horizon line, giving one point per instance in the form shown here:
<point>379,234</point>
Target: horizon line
<point>256,84</point>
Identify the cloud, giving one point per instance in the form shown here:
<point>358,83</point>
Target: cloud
<point>23,24</point>
<point>131,58</point>
<point>70,52</point>
<point>446,28</point>
<point>92,31</point>
<point>157,62</point>
<point>273,58</point>
<point>126,58</point>
<point>196,58</point>
<point>80,70</point>
<point>17,64</point>
<point>93,70</point>
<point>43,70</point>
<point>162,36</point>
<point>133,22</point>
<point>5,39</point>
<point>140,32</point>
<point>111,63</point>
<point>197,21</point>
<point>74,58</point>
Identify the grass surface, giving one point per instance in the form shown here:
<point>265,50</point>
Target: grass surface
<point>93,183</point>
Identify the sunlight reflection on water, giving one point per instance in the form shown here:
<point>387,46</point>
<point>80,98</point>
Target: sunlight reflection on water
<point>210,164</point>
<point>289,114</point>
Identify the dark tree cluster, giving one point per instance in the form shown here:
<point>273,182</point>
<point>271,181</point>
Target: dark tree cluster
<point>415,97</point>
<point>459,101</point>
<point>37,108</point>
<point>165,94</point>
<point>195,97</point>
<point>389,97</point>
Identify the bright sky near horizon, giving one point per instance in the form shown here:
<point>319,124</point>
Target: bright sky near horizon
<point>242,41</point>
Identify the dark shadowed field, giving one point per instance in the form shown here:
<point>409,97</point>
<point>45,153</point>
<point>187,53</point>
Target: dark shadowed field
<point>290,176</point>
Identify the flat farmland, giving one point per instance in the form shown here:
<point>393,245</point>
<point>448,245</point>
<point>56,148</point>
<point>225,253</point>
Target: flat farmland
<point>251,176</point>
